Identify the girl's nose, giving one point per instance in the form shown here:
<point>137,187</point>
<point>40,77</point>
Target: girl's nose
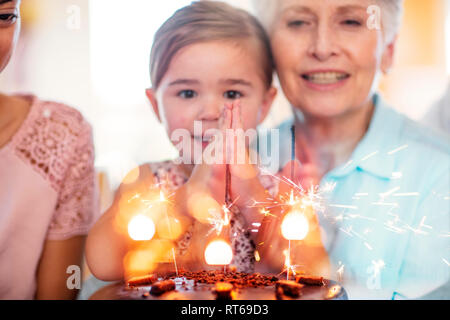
<point>211,109</point>
<point>323,43</point>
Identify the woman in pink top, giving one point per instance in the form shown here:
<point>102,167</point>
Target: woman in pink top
<point>47,187</point>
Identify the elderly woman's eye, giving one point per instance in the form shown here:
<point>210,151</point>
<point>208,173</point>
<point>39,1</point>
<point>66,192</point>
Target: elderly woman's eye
<point>232,94</point>
<point>352,22</point>
<point>296,23</point>
<point>7,19</point>
<point>187,94</point>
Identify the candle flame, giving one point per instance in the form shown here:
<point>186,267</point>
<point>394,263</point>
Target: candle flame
<point>218,252</point>
<point>257,257</point>
<point>294,226</point>
<point>162,198</point>
<point>141,228</point>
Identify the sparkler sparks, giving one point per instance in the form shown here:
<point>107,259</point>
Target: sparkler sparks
<point>421,225</point>
<point>266,213</point>
<point>218,220</point>
<point>388,193</point>
<point>397,149</point>
<point>370,155</point>
<point>343,206</point>
<point>355,216</point>
<point>288,267</point>
<point>136,196</point>
<point>388,204</point>
<point>407,194</point>
<point>361,194</point>
<point>347,164</point>
<point>396,175</point>
<point>340,271</point>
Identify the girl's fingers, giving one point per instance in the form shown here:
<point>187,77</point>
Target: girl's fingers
<point>237,119</point>
<point>222,119</point>
<point>225,118</point>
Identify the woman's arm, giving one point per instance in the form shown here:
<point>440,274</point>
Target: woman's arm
<point>108,241</point>
<point>106,248</point>
<point>52,274</point>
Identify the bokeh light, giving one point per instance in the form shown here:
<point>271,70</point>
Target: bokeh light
<point>141,228</point>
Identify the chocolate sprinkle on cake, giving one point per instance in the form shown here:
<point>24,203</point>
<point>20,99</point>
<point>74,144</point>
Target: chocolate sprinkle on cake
<point>237,279</point>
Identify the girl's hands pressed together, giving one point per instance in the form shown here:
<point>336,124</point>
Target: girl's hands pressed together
<point>209,177</point>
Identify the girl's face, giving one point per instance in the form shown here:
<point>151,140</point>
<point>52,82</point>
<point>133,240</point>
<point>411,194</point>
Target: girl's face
<point>9,29</point>
<point>202,77</point>
<point>326,55</point>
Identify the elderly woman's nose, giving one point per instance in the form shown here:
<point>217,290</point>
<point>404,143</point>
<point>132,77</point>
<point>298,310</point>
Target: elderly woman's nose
<point>323,43</point>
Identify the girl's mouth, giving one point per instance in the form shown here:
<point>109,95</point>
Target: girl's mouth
<point>205,140</point>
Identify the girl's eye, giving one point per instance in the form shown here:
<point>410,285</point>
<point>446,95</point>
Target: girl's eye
<point>7,19</point>
<point>352,23</point>
<point>296,23</point>
<point>232,94</point>
<point>187,94</point>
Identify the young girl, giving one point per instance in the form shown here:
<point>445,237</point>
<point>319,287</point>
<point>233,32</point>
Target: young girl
<point>210,63</point>
<point>47,192</point>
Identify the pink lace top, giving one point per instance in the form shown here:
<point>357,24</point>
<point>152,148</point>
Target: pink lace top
<point>47,191</point>
<point>241,243</point>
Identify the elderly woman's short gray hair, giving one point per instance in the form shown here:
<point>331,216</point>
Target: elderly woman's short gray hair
<point>391,15</point>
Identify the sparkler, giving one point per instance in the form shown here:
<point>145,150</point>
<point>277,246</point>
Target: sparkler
<point>162,199</point>
<point>295,225</point>
<point>218,251</point>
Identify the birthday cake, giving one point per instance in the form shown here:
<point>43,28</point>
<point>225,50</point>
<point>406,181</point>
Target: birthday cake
<point>224,285</point>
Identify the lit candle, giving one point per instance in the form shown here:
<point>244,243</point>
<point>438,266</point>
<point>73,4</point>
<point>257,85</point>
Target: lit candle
<point>218,253</point>
<point>163,200</point>
<point>294,227</point>
<point>223,291</point>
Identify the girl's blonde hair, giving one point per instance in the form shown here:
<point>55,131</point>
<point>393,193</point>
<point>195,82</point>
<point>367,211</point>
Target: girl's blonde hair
<point>206,21</point>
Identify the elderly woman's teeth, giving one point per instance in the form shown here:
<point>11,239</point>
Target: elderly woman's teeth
<point>325,77</point>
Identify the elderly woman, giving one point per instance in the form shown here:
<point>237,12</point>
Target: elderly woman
<point>386,225</point>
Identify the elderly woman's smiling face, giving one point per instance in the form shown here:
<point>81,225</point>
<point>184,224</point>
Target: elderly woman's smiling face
<point>327,57</point>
